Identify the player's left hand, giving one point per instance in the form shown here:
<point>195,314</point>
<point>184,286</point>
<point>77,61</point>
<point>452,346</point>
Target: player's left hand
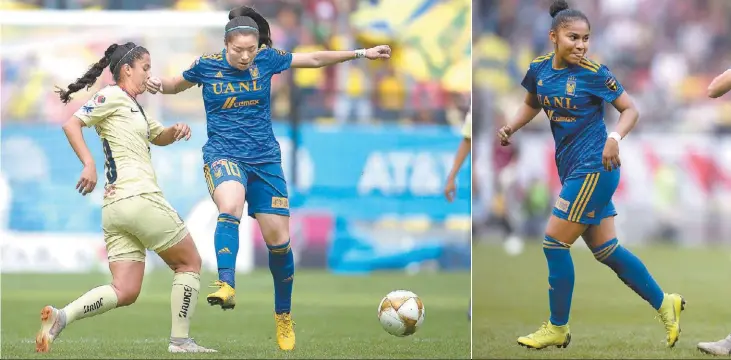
<point>610,155</point>
<point>450,189</point>
<point>378,52</point>
<point>182,131</point>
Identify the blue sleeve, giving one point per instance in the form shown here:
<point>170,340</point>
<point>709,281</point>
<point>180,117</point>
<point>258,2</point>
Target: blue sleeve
<point>604,85</point>
<point>195,73</point>
<point>279,60</point>
<point>529,81</point>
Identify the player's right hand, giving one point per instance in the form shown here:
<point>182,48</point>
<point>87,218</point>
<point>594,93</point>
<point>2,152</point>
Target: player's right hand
<point>154,85</point>
<point>87,182</point>
<point>504,135</point>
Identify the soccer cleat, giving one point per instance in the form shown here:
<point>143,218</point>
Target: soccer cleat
<point>53,321</point>
<point>285,331</point>
<point>187,346</point>
<point>720,347</point>
<point>547,335</point>
<point>669,312</point>
<point>224,296</point>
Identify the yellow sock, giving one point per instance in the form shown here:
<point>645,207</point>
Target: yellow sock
<point>95,302</point>
<point>183,300</point>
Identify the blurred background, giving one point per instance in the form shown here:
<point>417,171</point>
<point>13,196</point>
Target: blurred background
<point>366,146</point>
<point>674,192</point>
<point>676,164</point>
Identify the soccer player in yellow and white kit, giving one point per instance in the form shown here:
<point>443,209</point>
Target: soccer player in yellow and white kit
<point>135,215</point>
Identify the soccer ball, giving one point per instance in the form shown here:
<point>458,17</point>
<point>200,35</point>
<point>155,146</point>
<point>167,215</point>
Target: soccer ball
<point>401,313</point>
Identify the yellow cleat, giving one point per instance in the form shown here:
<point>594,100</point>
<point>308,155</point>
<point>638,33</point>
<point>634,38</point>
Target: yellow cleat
<point>669,312</point>
<point>547,335</point>
<point>285,331</point>
<point>224,296</point>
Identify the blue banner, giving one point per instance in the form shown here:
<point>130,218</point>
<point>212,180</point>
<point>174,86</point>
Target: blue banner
<point>354,172</point>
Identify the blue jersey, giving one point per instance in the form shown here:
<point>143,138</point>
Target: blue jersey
<point>573,99</point>
<point>238,106</point>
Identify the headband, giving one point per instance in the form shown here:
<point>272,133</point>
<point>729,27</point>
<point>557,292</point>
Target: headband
<point>242,27</point>
<point>122,58</point>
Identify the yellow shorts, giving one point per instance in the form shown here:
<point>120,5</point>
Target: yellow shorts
<point>141,222</point>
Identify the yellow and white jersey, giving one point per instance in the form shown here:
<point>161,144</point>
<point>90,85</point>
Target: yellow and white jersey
<point>125,132</point>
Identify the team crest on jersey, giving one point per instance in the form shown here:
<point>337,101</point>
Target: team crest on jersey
<point>99,99</point>
<point>254,71</point>
<point>571,86</point>
<point>611,84</point>
<point>562,204</point>
<point>280,203</point>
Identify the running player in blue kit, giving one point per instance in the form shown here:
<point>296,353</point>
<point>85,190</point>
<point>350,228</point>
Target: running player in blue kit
<point>242,157</point>
<point>572,91</point>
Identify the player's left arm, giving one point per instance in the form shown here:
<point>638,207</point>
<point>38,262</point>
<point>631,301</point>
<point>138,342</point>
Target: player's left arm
<point>604,85</point>
<point>164,136</point>
<point>720,85</point>
<point>319,59</point>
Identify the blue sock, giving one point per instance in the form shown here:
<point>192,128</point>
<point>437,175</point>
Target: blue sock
<point>630,270</point>
<point>560,279</point>
<point>281,264</point>
<point>226,241</point>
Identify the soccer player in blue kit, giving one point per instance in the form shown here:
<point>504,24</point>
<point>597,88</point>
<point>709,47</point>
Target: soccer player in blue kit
<point>242,157</point>
<point>572,90</point>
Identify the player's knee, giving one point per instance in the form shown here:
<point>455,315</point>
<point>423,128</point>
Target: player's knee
<point>191,263</point>
<point>229,198</point>
<point>276,236</point>
<point>127,293</point>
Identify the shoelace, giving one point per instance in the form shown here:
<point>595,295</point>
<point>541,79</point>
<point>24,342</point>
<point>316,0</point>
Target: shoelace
<point>544,330</point>
<point>217,284</point>
<point>284,325</point>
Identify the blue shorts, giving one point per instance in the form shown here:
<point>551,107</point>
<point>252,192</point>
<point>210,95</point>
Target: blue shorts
<point>266,188</point>
<point>588,199</point>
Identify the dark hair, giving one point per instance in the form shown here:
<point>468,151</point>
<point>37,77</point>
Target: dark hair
<point>247,16</point>
<point>562,14</point>
<point>114,57</point>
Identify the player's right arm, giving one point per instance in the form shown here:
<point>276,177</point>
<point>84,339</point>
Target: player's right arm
<point>528,109</point>
<point>178,83</point>
<point>720,85</point>
<point>91,113</point>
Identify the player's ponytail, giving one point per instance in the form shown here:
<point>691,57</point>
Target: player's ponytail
<point>247,16</point>
<point>563,14</point>
<point>89,78</point>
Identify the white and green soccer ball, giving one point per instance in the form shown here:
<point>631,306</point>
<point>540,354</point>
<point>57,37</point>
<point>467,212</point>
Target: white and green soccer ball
<point>401,313</point>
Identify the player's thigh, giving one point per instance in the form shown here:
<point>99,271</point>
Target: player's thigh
<point>563,230</point>
<point>158,226</point>
<point>227,186</point>
<point>120,243</point>
<point>269,201</point>
<point>597,235</point>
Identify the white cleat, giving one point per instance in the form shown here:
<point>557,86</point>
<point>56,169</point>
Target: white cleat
<point>720,347</point>
<point>52,322</point>
<point>187,346</point>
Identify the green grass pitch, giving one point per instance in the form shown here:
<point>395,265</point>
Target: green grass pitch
<point>335,317</point>
<point>608,320</point>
